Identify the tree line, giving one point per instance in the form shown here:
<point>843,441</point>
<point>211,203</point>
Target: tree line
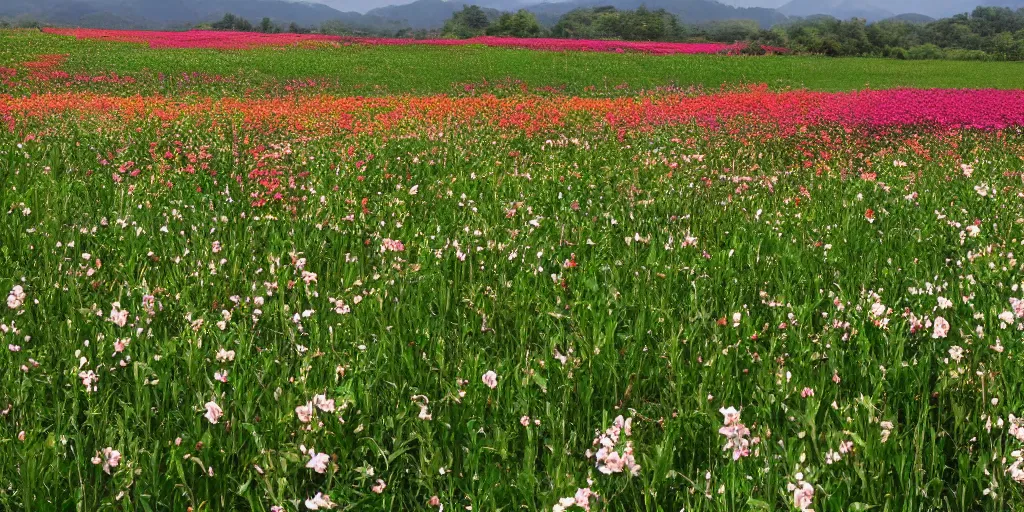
<point>266,26</point>
<point>987,33</point>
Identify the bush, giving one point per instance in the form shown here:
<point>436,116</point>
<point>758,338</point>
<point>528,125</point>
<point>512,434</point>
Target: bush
<point>925,52</point>
<point>959,54</point>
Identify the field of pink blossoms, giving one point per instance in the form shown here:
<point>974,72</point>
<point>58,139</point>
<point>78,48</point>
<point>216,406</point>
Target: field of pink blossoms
<point>675,300</point>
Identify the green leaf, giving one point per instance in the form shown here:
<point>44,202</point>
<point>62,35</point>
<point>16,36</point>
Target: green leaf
<point>758,504</point>
<point>541,381</point>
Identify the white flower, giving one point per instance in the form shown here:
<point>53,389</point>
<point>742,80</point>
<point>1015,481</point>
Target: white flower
<point>320,502</point>
<point>956,353</point>
<point>224,356</point>
<point>318,461</point>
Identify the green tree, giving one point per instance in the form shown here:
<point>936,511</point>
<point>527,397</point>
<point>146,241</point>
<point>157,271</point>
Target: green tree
<point>225,23</point>
<point>519,24</point>
<point>266,26</point>
<point>471,21</point>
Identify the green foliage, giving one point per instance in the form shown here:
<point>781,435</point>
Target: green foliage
<point>471,21</point>
<point>609,23</point>
<point>520,24</point>
<point>987,33</point>
<point>660,275</point>
<point>232,22</point>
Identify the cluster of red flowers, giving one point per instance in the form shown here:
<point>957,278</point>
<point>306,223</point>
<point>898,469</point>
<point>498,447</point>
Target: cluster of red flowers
<point>786,112</point>
<point>242,40</point>
<point>46,67</point>
<point>7,76</point>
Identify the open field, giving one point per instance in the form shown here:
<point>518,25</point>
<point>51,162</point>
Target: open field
<point>380,70</point>
<point>237,296</point>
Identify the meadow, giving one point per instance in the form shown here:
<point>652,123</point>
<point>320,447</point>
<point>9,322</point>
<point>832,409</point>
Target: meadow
<point>382,70</point>
<point>690,293</point>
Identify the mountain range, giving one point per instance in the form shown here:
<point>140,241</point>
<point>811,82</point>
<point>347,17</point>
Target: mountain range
<point>874,10</point>
<point>431,14</point>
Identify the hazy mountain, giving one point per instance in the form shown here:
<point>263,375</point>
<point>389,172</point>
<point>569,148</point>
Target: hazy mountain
<point>914,19</point>
<point>362,5</point>
<point>688,11</point>
<point>842,9</point>
<point>166,13</point>
<point>427,14</point>
<point>932,8</point>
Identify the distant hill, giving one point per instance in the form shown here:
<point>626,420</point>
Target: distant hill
<point>842,9</point>
<point>689,11</point>
<point>913,18</point>
<point>166,13</point>
<point>427,14</point>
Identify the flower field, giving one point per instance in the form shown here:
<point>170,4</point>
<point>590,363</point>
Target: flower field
<point>244,40</point>
<point>667,299</point>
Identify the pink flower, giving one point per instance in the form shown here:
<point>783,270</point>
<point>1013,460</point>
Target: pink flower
<point>941,328</point>
<point>89,380</point>
<point>736,434</point>
<point>803,496</point>
<point>434,501</point>
<point>320,502</point>
<point>318,461</point>
<point>16,298</point>
<point>109,457</point>
<point>582,498</point>
<point>305,412</point>
<point>321,402</point>
<point>490,379</point>
<point>807,392</point>
<point>379,487</point>
<point>118,315</point>
<point>391,245</point>
<point>846,447</point>
<point>1018,307</point>
<point>731,415</point>
<point>213,412</point>
<point>524,421</point>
